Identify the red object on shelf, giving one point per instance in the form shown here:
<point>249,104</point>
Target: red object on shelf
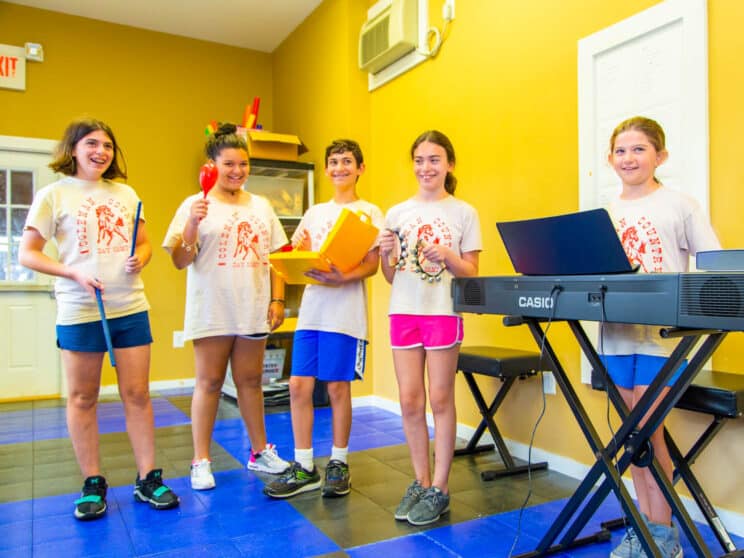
<point>254,110</point>
<point>208,177</point>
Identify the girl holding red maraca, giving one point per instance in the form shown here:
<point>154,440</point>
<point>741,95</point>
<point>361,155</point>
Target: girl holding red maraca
<point>224,236</point>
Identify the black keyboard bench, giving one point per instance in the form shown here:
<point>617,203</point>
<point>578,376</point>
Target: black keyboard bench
<point>508,365</point>
<point>720,395</point>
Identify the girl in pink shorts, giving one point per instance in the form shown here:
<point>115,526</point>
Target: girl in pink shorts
<point>430,238</point>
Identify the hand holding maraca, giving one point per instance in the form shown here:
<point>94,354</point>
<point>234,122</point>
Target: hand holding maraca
<point>208,175</point>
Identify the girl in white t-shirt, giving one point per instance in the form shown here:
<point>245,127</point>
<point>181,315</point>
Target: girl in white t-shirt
<point>233,301</point>
<point>660,229</point>
<point>441,239</point>
<point>91,220</point>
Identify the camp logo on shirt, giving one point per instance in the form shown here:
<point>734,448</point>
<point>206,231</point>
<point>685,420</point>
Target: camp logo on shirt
<point>420,233</point>
<point>642,244</point>
<point>111,226</point>
<point>243,243</point>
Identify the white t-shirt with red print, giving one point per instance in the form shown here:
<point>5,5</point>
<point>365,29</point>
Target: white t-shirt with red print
<point>341,309</point>
<point>91,224</point>
<point>449,221</point>
<point>660,232</point>
<point>228,286</point>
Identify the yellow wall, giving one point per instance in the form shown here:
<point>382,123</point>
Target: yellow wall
<point>504,88</point>
<point>320,95</point>
<point>157,92</point>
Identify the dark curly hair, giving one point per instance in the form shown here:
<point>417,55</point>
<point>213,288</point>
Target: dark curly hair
<point>225,137</point>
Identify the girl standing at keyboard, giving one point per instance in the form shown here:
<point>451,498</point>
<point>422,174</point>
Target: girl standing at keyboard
<point>439,239</point>
<point>660,229</point>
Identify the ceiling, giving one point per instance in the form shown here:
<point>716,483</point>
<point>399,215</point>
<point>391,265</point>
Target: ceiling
<point>255,24</point>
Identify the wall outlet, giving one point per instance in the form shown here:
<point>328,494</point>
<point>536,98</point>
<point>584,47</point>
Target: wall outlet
<point>548,382</point>
<point>448,10</point>
<point>178,339</point>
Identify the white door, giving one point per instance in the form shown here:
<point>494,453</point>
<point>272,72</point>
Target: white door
<point>29,360</point>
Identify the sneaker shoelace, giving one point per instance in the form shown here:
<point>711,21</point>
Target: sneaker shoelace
<point>270,455</point>
<point>92,492</point>
<point>153,484</point>
<point>335,471</point>
<point>432,499</point>
<point>414,492</point>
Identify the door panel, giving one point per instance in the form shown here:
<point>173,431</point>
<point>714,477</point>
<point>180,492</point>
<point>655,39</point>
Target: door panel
<point>29,359</point>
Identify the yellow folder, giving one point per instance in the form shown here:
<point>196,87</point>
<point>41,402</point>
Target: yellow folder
<point>347,243</point>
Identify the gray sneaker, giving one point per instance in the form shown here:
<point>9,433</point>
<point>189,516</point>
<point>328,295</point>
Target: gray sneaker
<point>629,547</point>
<point>429,508</point>
<point>412,496</point>
<point>295,481</point>
<point>337,479</point>
<point>666,538</point>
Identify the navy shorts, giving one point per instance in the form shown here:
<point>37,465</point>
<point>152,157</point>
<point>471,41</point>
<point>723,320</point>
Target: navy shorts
<point>331,357</point>
<point>127,331</point>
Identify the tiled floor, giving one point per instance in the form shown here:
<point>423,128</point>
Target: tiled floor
<point>39,480</point>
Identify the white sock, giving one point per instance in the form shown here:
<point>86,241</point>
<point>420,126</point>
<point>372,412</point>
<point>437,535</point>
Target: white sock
<point>340,454</point>
<point>305,458</point>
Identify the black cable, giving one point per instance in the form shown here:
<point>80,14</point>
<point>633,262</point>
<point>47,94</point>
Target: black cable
<point>554,293</point>
<point>606,379</point>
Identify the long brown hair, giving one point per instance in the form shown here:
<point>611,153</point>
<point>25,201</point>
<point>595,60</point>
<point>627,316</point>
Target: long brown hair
<point>65,162</point>
<point>438,138</point>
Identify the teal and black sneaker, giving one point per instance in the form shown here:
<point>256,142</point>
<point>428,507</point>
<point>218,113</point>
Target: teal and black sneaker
<point>337,479</point>
<point>295,481</point>
<point>92,501</point>
<point>152,490</point>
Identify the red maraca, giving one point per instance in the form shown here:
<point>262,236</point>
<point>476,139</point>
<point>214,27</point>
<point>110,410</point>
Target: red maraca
<point>208,177</point>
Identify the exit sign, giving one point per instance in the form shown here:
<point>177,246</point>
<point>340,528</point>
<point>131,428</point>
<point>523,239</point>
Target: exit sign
<point>12,67</point>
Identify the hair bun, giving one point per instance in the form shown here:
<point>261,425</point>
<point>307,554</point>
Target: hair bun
<point>225,129</point>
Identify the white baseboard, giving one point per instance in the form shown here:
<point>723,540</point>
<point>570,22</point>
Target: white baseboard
<point>733,521</point>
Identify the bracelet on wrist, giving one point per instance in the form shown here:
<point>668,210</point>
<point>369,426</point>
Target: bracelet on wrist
<point>281,300</point>
<point>189,247</point>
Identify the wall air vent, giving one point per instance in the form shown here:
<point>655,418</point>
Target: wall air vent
<point>389,35</point>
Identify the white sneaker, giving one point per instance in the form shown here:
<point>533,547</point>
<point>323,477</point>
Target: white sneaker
<point>201,475</point>
<point>268,461</point>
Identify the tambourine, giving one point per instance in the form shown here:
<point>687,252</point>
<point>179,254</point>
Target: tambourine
<point>429,271</point>
<point>399,253</point>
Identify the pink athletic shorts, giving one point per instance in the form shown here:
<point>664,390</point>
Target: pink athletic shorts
<point>431,332</point>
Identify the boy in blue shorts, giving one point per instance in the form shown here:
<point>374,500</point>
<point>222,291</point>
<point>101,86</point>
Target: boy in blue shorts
<point>331,336</point>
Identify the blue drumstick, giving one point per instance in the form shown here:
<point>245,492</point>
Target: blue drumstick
<point>136,226</point>
<point>106,332</point>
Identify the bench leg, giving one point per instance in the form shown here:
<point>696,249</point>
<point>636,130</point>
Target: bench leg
<point>488,412</point>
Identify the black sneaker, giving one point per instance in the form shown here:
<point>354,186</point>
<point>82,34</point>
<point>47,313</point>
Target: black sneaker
<point>294,481</point>
<point>337,479</point>
<point>152,490</point>
<point>92,501</point>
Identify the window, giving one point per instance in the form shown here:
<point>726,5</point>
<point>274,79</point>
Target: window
<point>16,194</point>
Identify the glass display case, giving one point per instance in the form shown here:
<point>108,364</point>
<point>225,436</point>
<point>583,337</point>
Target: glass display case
<point>289,187</point>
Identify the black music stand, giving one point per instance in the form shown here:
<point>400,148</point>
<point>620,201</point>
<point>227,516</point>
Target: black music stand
<point>629,438</point>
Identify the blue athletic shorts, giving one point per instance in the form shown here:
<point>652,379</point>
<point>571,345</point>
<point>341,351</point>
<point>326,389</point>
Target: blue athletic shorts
<point>331,357</point>
<point>628,371</point>
<point>127,331</point>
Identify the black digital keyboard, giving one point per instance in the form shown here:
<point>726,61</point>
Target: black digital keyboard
<point>691,300</point>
